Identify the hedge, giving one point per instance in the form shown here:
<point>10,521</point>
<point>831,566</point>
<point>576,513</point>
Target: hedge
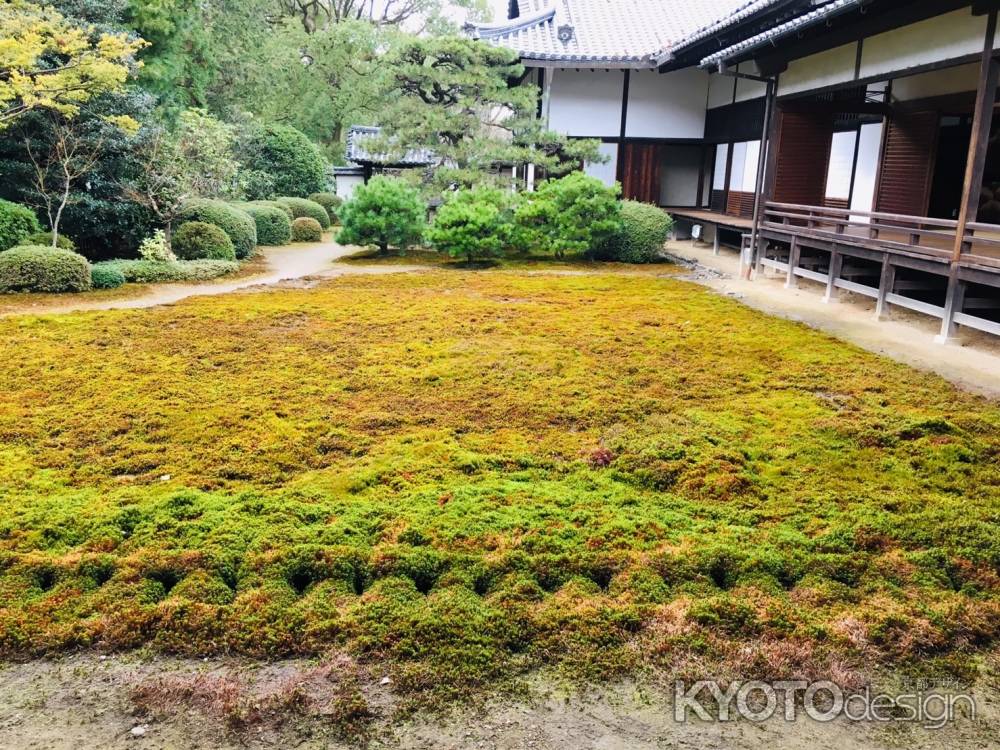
<point>45,239</point>
<point>34,268</point>
<point>152,271</point>
<point>233,221</point>
<point>195,240</point>
<point>274,222</point>
<point>304,207</point>
<point>306,229</point>
<point>640,240</point>
<point>17,223</point>
<point>330,201</point>
<point>106,277</point>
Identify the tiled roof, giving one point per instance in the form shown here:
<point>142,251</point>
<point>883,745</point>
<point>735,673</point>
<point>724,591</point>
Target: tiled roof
<point>607,33</point>
<point>358,154</point>
<point>821,13</point>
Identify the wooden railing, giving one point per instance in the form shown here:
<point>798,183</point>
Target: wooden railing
<point>880,231</point>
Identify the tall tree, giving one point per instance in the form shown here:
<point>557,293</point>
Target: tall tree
<point>461,99</point>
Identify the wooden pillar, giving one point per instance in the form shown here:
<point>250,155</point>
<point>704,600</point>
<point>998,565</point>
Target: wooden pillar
<point>982,118</point>
<point>793,261</point>
<point>763,164</point>
<point>833,273</point>
<point>885,286</point>
<point>952,304</point>
<point>715,241</point>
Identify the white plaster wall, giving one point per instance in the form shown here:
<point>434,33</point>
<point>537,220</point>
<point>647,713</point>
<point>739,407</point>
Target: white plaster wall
<point>346,185</point>
<point>586,102</point>
<point>720,90</point>
<point>825,68</point>
<point>936,82</point>
<point>667,105</point>
<point>679,170</point>
<point>719,171</point>
<point>944,37</point>
<point>605,172</point>
<point>747,89</point>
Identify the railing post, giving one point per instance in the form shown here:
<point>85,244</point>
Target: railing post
<point>952,304</point>
<point>833,272</point>
<point>885,284</point>
<point>793,261</point>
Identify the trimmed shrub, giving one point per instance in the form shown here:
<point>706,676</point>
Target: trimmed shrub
<point>640,239</point>
<point>295,164</point>
<point>276,204</point>
<point>274,222</point>
<point>306,229</point>
<point>106,277</point>
<point>34,268</point>
<point>17,223</point>
<point>473,223</point>
<point>155,248</point>
<point>234,222</point>
<point>574,214</point>
<point>153,272</point>
<point>304,207</point>
<point>195,240</point>
<point>385,213</point>
<point>330,201</point>
<point>45,239</point>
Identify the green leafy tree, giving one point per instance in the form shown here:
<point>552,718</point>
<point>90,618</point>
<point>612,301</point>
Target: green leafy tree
<point>49,62</point>
<point>573,214</point>
<point>453,95</point>
<point>206,145</point>
<point>386,213</point>
<point>473,224</point>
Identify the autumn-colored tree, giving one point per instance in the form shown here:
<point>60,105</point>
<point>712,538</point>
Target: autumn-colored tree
<point>48,62</point>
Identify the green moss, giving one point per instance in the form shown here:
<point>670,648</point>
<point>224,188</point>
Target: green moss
<point>496,471</point>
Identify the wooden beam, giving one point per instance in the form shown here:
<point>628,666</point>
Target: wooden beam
<point>885,284</point>
<point>624,122</point>
<point>982,117</point>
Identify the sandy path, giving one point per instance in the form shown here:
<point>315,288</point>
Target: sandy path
<point>283,264</point>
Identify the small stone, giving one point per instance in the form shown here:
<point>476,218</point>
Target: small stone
<point>140,730</point>
<point>384,681</point>
<point>165,478</point>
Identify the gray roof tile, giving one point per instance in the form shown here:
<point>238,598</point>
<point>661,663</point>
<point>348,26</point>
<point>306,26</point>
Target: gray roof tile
<point>608,33</point>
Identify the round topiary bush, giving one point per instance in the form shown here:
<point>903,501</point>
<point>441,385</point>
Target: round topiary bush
<point>274,222</point>
<point>306,229</point>
<point>45,238</point>
<point>34,268</point>
<point>17,223</point>
<point>330,201</point>
<point>640,240</point>
<point>294,163</point>
<point>276,204</point>
<point>304,207</point>
<point>195,240</point>
<point>106,277</point>
<point>236,223</point>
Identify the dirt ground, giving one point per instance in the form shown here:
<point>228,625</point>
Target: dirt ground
<point>127,701</point>
<point>972,362</point>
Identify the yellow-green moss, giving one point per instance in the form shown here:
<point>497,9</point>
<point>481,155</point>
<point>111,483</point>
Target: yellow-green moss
<point>471,473</point>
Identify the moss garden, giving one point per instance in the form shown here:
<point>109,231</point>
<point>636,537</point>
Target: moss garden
<point>497,471</point>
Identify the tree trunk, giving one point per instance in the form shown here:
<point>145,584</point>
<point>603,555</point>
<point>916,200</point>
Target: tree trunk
<point>59,211</point>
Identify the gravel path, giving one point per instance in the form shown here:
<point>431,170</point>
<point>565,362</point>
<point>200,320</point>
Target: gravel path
<point>286,264</point>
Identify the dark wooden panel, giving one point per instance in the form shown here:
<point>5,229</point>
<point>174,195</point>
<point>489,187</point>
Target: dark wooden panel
<point>743,121</point>
<point>904,182</point>
<point>802,157</point>
<point>718,201</point>
<point>739,203</point>
<point>836,202</point>
<point>640,176</point>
